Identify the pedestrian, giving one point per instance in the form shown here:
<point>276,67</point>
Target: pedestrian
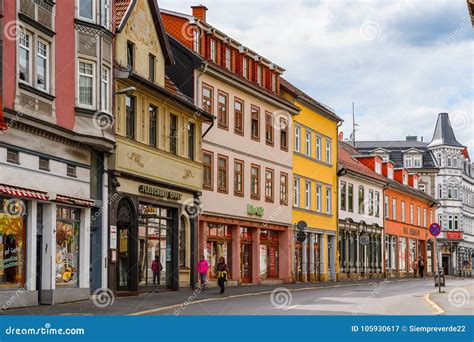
<point>421,267</point>
<point>414,266</point>
<point>202,268</point>
<point>156,268</point>
<point>222,274</point>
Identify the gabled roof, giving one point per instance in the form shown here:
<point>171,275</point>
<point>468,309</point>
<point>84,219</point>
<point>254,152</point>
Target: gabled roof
<point>123,9</point>
<point>444,134</point>
<point>346,160</point>
<point>301,95</point>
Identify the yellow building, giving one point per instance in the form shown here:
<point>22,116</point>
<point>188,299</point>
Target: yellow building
<point>156,172</point>
<point>315,137</point>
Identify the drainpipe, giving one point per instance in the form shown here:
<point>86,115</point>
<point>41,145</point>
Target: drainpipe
<point>196,98</point>
<point>344,171</point>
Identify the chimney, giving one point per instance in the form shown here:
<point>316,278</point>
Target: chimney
<point>412,138</point>
<point>200,12</point>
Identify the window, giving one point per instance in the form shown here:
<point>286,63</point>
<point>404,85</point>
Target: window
<point>307,195</point>
<point>394,208</point>
<point>456,222</point>
<point>318,198</point>
<point>42,65</point>
<point>387,210</point>
<point>153,125</point>
<point>450,161</point>
<point>328,151</point>
<point>259,75</point>
<point>238,177</point>
<point>425,223</point>
<point>207,162</point>
<point>197,40</point>
<point>238,116</point>
<point>318,148</point>
<point>296,192</point>
<point>67,246</point>
<point>371,202</point>
<point>297,139</point>
<point>71,170</point>
<point>283,134</point>
<point>13,157</point>
<point>130,116</point>
<point>182,243</point>
<point>439,159</point>
<point>86,84</point>
<point>402,255</point>
<point>412,213</point>
<point>24,56</point>
<point>207,99</point>
<point>255,123</point>
<point>402,205</point>
<point>269,129</point>
<point>417,161</point>
<point>343,196</point>
<point>191,137</point>
<point>274,83</point>
<point>350,197</point>
<point>405,179</point>
<point>104,90</point>
<point>255,182</point>
<point>105,13</point>
<point>173,134</point>
<point>307,141</point>
<point>86,9</point>
<point>328,200</point>
<point>44,164</point>
<point>377,204</point>
<point>213,51</point>
<point>361,200</point>
<point>418,216</point>
<point>408,161</point>
<point>269,185</point>
<point>390,172</point>
<point>283,188</point>
<point>222,174</point>
<point>222,117</point>
<point>245,68</point>
<point>151,67</point>
<point>130,55</point>
<point>378,168</point>
<point>228,59</point>
<point>440,191</point>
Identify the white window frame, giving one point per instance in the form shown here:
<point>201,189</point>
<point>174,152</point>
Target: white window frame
<point>307,194</point>
<point>417,161</point>
<point>259,75</point>
<point>328,200</point>
<point>318,198</point>
<point>394,209</point>
<point>274,83</point>
<point>93,83</point>
<point>328,151</point>
<point>297,139</point>
<point>228,58</point>
<point>47,63</point>
<point>105,84</point>
<point>318,147</point>
<point>105,8</point>
<point>93,11</point>
<point>418,216</point>
<point>197,40</point>
<point>307,142</point>
<point>403,209</point>
<point>245,67</point>
<point>213,50</point>
<point>412,214</point>
<point>390,172</point>
<point>378,167</point>
<point>296,192</point>
<point>408,161</point>
<point>386,207</point>
<point>30,55</point>
<point>405,179</point>
<point>425,224</point>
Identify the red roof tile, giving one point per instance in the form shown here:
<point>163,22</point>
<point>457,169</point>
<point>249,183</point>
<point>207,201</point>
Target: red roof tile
<point>346,160</point>
<point>121,7</point>
<point>171,87</point>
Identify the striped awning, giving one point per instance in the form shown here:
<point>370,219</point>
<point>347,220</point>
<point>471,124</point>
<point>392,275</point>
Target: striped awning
<point>22,192</point>
<point>75,201</point>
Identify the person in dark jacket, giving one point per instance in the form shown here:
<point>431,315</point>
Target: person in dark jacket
<point>421,267</point>
<point>222,272</point>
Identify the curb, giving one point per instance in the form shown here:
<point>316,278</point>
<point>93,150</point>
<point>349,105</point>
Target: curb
<point>435,307</point>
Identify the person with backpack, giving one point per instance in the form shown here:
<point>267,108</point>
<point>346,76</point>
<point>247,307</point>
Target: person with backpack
<point>202,268</point>
<point>222,272</point>
<point>421,267</point>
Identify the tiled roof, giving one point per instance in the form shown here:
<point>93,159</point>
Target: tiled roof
<point>444,134</point>
<point>302,95</point>
<point>121,7</point>
<point>171,87</point>
<point>398,144</point>
<point>346,160</point>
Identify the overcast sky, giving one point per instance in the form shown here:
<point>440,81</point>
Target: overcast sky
<point>401,62</point>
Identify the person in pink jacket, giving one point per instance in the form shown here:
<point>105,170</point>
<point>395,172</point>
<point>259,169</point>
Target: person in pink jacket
<point>202,268</point>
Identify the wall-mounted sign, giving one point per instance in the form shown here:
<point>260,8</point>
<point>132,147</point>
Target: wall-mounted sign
<point>411,231</point>
<point>159,192</point>
<point>364,239</point>
<point>454,235</point>
<point>113,237</point>
<point>251,210</point>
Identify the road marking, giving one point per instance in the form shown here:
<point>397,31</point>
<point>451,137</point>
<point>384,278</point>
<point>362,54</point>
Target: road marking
<point>290,307</point>
<point>436,308</point>
<point>347,294</point>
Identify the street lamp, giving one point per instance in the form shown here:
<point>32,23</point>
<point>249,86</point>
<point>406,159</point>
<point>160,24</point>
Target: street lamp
<point>126,91</point>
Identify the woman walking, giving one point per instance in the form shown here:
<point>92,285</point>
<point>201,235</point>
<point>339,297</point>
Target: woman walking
<point>421,267</point>
<point>202,268</point>
<point>222,274</point>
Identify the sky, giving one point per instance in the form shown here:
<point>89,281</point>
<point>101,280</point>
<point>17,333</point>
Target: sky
<point>400,61</point>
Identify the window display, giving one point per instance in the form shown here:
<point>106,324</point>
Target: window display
<point>269,248</point>
<point>67,246</point>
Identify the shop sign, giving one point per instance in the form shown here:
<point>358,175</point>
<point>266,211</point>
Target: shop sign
<point>113,237</point>
<point>364,239</point>
<point>454,235</point>
<point>411,231</point>
<point>251,210</point>
<point>159,192</point>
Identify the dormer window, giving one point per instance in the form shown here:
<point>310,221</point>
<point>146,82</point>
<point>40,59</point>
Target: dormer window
<point>245,68</point>
<point>259,75</point>
<point>378,168</point>
<point>196,41</point>
<point>408,161</point>
<point>274,83</point>
<point>417,161</point>
<point>405,179</point>
<point>228,59</point>
<point>390,173</point>
<point>213,51</point>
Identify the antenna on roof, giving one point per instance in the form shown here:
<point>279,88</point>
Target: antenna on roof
<point>354,125</point>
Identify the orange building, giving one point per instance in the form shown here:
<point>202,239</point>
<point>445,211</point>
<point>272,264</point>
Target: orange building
<point>408,213</point>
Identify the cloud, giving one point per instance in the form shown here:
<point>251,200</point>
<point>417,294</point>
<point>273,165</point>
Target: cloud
<point>401,62</point>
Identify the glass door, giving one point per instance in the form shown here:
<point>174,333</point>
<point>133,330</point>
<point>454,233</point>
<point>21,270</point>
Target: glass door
<point>123,268</point>
<point>246,266</point>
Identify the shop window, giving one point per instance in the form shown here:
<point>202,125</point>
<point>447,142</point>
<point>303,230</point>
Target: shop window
<point>12,243</point>
<point>402,255</point>
<point>67,246</point>
<point>269,254</point>
<point>219,244</point>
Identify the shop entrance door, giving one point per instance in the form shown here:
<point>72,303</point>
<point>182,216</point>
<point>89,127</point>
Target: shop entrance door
<point>126,247</point>
<point>445,264</point>
<point>299,261</point>
<point>246,266</point>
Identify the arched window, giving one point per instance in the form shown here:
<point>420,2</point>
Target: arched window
<point>455,192</point>
<point>450,161</point>
<point>439,159</point>
<point>440,191</point>
<point>450,191</point>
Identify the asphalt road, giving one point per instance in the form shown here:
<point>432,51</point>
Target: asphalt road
<point>384,298</point>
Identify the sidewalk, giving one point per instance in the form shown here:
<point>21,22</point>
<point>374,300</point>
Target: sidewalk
<point>455,300</point>
<point>149,301</point>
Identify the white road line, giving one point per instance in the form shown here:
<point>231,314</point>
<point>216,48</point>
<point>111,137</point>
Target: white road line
<point>290,307</point>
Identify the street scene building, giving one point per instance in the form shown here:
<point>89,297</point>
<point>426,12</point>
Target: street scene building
<point>315,132</point>
<point>247,159</point>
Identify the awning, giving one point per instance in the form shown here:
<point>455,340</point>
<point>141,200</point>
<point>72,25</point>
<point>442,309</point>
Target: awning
<point>75,201</point>
<point>22,192</point>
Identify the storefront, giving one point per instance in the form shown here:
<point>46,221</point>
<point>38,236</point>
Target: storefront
<point>308,256</point>
<point>251,249</point>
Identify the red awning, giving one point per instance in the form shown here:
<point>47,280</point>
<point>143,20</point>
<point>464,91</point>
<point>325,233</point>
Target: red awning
<point>22,192</point>
<point>75,201</point>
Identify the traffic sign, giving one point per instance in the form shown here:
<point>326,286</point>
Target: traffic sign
<point>435,229</point>
<point>301,236</point>
<point>301,225</point>
<point>364,239</point>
